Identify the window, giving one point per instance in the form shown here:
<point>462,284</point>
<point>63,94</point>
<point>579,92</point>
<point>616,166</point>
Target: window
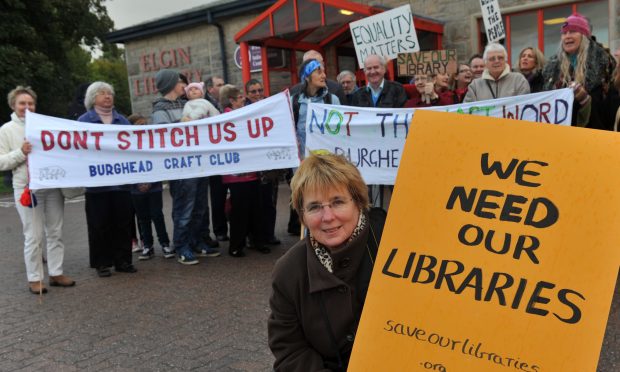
<point>541,27</point>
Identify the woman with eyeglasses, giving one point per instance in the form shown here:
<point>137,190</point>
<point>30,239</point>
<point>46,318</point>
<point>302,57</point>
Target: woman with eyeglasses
<point>462,80</point>
<point>497,80</point>
<point>254,91</point>
<point>245,211</point>
<point>319,286</point>
<point>108,208</point>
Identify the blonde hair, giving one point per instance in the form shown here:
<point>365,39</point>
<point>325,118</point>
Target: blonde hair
<point>580,69</point>
<point>324,172</point>
<point>540,58</point>
<point>227,92</point>
<point>20,89</point>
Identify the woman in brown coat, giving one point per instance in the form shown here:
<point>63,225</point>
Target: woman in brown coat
<point>320,284</point>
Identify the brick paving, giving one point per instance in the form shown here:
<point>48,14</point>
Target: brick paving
<point>167,317</point>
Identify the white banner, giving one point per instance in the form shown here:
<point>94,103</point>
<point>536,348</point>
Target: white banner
<point>373,138</point>
<point>386,34</point>
<point>68,153</point>
<point>493,24</point>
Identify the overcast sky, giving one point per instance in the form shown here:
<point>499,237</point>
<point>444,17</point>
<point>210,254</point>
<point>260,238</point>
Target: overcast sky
<point>127,13</point>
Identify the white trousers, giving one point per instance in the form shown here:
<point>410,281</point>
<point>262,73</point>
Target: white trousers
<point>42,225</point>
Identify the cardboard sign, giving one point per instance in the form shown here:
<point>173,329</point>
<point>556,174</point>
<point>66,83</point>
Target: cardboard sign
<point>68,153</point>
<point>500,251</point>
<point>493,24</point>
<point>373,138</point>
<point>429,62</point>
<point>386,34</point>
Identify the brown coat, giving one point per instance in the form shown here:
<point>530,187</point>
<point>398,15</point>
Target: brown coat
<point>298,333</point>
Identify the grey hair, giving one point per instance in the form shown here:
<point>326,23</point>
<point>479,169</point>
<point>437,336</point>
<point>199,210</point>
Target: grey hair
<point>344,73</point>
<point>310,54</point>
<point>93,89</point>
<point>382,59</point>
<point>494,47</point>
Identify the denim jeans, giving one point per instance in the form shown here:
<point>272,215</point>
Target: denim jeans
<point>190,212</point>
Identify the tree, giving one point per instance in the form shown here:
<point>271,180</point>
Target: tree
<point>111,68</point>
<point>40,46</point>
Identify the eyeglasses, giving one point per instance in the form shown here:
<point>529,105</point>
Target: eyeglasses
<point>496,58</point>
<point>337,205</point>
<point>255,91</point>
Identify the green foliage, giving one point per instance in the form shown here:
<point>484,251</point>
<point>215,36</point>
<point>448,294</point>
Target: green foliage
<point>40,46</point>
<point>112,70</point>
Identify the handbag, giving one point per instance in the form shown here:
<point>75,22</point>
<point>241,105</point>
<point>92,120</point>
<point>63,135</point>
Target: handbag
<point>72,192</point>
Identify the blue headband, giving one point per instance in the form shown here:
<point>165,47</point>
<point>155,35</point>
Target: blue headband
<point>309,69</point>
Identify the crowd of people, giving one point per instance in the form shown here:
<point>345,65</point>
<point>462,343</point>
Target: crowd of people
<point>320,284</point>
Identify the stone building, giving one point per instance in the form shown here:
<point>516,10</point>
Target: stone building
<point>208,40</point>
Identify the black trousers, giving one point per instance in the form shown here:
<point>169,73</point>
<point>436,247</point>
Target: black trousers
<point>148,207</point>
<point>218,192</point>
<point>269,200</point>
<point>109,218</point>
<point>245,214</point>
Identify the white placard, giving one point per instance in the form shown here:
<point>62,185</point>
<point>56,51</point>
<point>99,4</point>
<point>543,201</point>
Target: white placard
<point>493,24</point>
<point>373,138</point>
<point>68,153</point>
<point>386,34</point>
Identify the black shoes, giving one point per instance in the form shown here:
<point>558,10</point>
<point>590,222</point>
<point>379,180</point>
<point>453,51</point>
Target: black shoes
<point>126,268</point>
<point>273,241</point>
<point>104,272</point>
<point>211,242</point>
<point>222,238</point>
<point>236,254</point>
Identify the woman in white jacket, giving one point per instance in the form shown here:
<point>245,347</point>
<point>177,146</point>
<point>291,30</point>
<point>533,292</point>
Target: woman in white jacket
<point>43,220</point>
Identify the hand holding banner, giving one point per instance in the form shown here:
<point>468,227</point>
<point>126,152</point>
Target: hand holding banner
<point>373,138</point>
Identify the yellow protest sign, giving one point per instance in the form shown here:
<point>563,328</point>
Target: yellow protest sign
<point>500,251</point>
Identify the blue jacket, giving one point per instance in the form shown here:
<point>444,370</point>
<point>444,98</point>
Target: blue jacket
<point>92,117</point>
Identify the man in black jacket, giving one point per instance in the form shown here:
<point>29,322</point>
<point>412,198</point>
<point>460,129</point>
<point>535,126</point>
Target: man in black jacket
<point>378,93</point>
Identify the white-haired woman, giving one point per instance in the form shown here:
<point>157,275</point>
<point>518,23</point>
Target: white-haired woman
<point>583,65</point>
<point>44,219</point>
<point>108,209</point>
<point>497,80</point>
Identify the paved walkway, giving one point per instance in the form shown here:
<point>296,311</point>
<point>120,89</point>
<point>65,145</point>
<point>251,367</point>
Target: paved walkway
<point>167,317</point>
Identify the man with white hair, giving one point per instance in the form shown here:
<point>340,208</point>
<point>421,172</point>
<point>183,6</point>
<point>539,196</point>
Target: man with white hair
<point>379,92</point>
<point>346,79</point>
<point>497,80</point>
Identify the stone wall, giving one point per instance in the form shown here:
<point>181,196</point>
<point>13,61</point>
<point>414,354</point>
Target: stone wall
<point>194,52</point>
<point>197,51</point>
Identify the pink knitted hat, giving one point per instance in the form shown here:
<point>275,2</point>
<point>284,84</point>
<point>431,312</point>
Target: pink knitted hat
<point>577,22</point>
<point>200,86</point>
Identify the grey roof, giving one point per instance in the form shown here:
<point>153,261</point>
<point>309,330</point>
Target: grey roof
<point>211,12</point>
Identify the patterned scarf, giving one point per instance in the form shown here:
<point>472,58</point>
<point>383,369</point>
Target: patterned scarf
<point>322,253</point>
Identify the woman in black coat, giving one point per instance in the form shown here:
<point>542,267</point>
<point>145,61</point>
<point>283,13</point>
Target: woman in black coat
<point>320,284</point>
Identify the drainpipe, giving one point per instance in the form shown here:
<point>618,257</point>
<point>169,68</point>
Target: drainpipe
<point>220,33</point>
